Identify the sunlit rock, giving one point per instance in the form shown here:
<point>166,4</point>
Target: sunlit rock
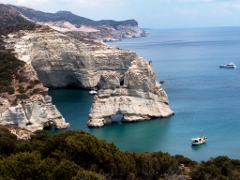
<point>140,98</point>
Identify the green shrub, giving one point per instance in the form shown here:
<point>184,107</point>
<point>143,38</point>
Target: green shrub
<point>9,67</point>
<point>23,79</point>
<point>21,89</point>
<point>30,86</point>
<point>34,82</point>
<point>9,89</point>
<point>184,160</point>
<point>22,96</point>
<point>4,82</point>
<point>36,91</point>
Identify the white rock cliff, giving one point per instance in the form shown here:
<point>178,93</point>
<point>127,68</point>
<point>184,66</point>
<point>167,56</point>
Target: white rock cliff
<point>140,98</point>
<point>32,114</point>
<point>61,61</point>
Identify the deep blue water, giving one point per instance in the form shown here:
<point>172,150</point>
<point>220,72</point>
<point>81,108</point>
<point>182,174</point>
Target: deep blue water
<point>202,95</point>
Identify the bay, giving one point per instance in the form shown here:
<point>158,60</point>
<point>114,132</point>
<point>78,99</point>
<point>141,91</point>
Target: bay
<point>202,95</point>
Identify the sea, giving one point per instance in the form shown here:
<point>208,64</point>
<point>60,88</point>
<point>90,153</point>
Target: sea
<point>204,97</point>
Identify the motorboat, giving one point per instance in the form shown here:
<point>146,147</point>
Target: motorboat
<point>228,66</point>
<point>92,92</point>
<point>199,140</point>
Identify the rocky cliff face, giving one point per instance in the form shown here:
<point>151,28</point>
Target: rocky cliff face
<point>32,114</point>
<point>29,107</point>
<point>140,98</point>
<point>24,101</point>
<point>127,83</point>
<point>61,61</point>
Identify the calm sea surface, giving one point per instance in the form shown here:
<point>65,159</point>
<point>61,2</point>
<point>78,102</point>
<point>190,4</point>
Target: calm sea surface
<point>202,95</point>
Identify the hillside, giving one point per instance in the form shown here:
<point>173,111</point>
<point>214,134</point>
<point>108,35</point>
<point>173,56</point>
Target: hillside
<point>78,27</point>
<point>16,80</point>
<point>10,16</point>
<point>21,92</point>
<point>78,21</point>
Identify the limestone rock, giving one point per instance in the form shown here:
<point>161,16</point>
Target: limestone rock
<point>61,61</point>
<point>140,98</point>
<point>33,114</point>
<point>109,80</point>
<point>20,133</point>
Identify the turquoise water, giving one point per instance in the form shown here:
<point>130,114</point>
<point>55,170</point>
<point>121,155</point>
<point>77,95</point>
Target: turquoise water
<point>202,95</point>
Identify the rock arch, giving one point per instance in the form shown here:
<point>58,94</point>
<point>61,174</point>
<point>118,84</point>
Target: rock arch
<point>140,98</point>
<point>118,117</point>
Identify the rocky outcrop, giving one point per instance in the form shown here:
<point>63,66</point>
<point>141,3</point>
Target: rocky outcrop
<point>32,114</point>
<point>28,106</point>
<point>61,61</point>
<point>20,133</point>
<point>140,98</point>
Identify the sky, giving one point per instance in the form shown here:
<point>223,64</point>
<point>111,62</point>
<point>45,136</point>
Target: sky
<point>155,14</point>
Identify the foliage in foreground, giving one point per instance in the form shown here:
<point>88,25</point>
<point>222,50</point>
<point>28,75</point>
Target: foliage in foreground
<point>79,155</point>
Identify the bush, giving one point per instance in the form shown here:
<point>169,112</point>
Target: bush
<point>205,172</point>
<point>9,89</point>
<point>34,82</point>
<point>7,141</point>
<point>30,86</point>
<point>23,79</point>
<point>184,160</point>
<point>22,96</point>
<point>9,66</point>
<point>21,89</point>
<point>4,82</point>
<point>23,166</point>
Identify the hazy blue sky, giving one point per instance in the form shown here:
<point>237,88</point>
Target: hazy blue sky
<point>148,13</point>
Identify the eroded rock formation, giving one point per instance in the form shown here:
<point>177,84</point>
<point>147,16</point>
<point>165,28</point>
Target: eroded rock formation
<point>61,61</point>
<point>32,114</point>
<point>140,98</point>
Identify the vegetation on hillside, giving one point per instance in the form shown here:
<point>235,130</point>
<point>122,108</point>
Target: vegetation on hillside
<point>79,155</point>
<point>9,16</point>
<point>40,16</point>
<point>13,75</point>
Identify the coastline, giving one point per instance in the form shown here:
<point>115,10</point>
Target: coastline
<point>193,91</point>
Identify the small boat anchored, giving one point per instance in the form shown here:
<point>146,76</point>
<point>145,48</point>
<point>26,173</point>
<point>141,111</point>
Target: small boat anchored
<point>199,140</point>
<point>228,66</point>
<point>92,92</point>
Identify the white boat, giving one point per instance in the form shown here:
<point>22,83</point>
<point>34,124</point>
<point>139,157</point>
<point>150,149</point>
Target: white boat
<point>229,65</point>
<point>92,92</point>
<point>199,140</point>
